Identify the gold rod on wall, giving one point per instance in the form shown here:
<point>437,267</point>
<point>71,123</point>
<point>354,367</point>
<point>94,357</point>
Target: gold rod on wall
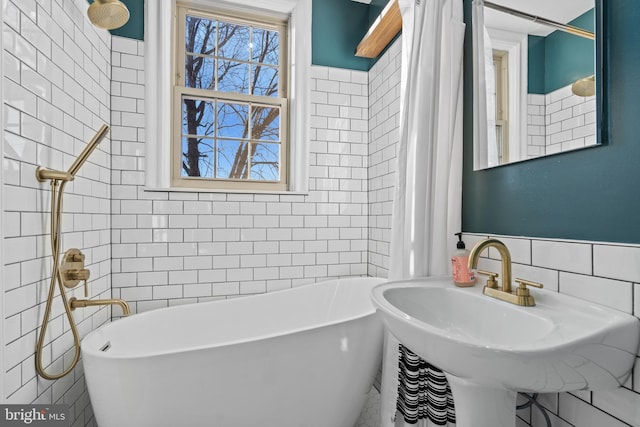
<point>562,27</point>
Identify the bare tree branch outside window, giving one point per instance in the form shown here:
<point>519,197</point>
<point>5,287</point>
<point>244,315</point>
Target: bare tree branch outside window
<point>225,137</point>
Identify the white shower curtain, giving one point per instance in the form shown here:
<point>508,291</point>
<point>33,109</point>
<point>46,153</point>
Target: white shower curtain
<point>428,198</point>
<point>485,153</point>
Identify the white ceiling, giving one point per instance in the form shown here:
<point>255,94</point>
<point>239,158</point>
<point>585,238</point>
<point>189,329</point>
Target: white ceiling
<point>562,11</point>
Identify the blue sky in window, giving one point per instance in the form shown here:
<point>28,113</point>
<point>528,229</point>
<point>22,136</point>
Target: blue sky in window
<point>229,57</point>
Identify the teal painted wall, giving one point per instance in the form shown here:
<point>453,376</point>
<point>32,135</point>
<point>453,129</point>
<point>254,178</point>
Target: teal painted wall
<point>568,57</point>
<point>589,194</point>
<point>535,64</point>
<point>134,29</point>
<point>375,8</point>
<point>560,58</point>
<point>337,28</point>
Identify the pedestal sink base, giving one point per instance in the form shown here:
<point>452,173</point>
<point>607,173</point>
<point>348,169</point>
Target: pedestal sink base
<point>478,405</point>
<point>560,344</point>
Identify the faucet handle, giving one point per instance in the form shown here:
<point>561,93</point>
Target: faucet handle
<point>522,287</point>
<point>491,281</point>
<point>77,274</point>
<point>74,256</point>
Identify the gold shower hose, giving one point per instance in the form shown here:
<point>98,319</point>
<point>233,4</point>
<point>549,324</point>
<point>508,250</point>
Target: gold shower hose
<point>57,189</point>
<point>58,181</point>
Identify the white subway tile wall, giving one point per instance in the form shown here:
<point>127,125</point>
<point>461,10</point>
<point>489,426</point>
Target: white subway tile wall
<point>177,247</point>
<point>603,273</point>
<point>559,121</point>
<point>57,94</point>
<point>536,123</point>
<point>384,123</point>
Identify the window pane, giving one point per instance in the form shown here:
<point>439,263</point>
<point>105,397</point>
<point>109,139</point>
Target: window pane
<point>266,123</point>
<point>197,117</point>
<point>232,159</point>
<point>265,80</point>
<point>200,35</point>
<point>265,47</point>
<point>265,162</point>
<point>233,131</point>
<point>199,72</point>
<point>233,41</point>
<point>233,76</point>
<point>233,120</point>
<point>197,157</point>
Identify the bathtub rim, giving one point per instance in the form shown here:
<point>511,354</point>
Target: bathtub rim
<point>89,348</point>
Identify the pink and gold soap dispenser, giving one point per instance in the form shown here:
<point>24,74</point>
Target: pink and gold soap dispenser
<point>460,265</point>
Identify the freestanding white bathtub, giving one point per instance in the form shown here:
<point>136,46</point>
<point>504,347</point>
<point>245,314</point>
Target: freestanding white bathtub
<point>304,357</point>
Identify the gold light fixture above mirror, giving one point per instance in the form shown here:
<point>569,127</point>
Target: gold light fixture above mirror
<point>108,14</point>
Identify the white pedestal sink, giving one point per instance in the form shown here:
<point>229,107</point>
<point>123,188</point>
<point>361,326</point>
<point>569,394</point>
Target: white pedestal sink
<point>490,349</point>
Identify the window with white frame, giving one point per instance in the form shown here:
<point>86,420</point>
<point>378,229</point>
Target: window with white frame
<point>230,102</point>
<point>163,137</point>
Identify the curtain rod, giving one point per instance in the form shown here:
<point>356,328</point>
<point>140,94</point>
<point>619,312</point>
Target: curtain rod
<point>562,27</point>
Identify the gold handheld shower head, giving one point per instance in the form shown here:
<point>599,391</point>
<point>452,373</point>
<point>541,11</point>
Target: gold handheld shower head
<point>108,14</point>
<point>88,150</point>
<point>43,174</point>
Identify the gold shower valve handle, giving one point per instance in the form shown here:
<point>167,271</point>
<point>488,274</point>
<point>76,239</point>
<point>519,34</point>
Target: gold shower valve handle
<point>76,256</point>
<point>72,269</point>
<point>77,275</point>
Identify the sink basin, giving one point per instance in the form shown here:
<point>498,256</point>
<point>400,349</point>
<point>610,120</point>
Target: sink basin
<point>487,346</point>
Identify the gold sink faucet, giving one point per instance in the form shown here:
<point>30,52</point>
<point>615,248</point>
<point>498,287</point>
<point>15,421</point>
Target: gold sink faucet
<point>474,256</point>
<point>521,295</point>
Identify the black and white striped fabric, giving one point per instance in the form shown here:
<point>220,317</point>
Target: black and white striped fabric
<point>423,391</point>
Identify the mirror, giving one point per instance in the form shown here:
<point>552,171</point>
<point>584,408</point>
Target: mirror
<point>534,79</point>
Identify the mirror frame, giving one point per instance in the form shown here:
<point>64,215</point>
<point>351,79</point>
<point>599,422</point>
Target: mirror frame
<point>601,131</point>
<point>602,119</point>
<point>553,196</point>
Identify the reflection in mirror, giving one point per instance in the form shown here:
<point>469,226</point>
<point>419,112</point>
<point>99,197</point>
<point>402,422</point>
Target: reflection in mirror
<point>534,79</point>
